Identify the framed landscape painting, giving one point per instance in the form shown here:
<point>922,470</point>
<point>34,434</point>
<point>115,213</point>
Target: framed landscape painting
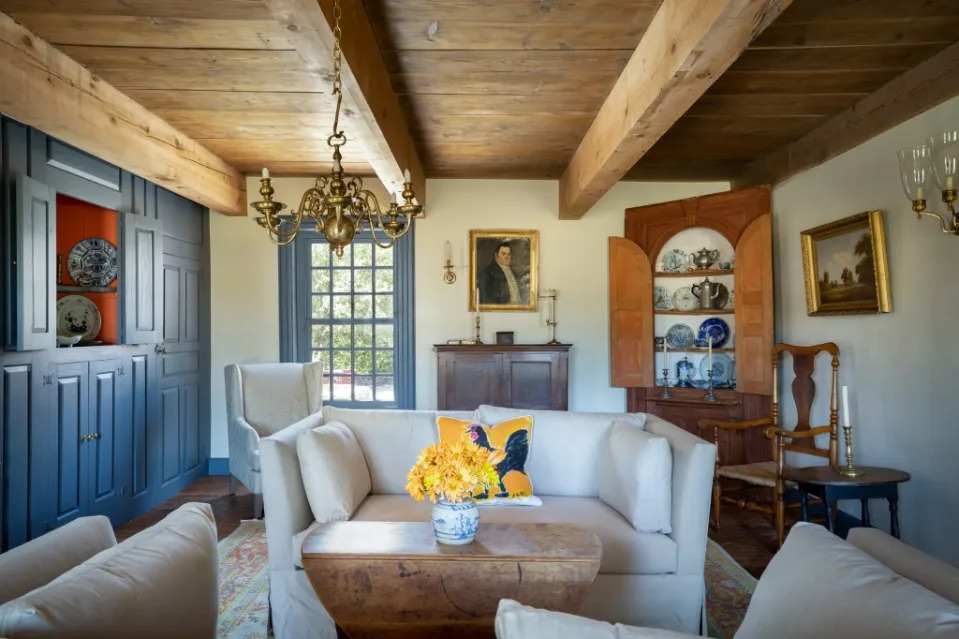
<point>844,266</point>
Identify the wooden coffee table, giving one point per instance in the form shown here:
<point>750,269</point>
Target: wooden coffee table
<point>389,579</point>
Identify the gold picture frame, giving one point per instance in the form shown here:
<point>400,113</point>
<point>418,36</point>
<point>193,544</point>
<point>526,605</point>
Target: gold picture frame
<point>845,268</point>
<point>490,288</point>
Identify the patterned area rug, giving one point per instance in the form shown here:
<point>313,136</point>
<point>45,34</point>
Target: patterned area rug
<point>244,583</point>
<point>245,586</point>
<point>728,590</point>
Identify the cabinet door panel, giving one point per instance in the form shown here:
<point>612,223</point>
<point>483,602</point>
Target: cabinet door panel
<point>190,426</point>
<point>754,308</point>
<point>72,424</point>
<point>630,314</point>
<point>139,480</point>
<point>170,433</point>
<point>171,303</point>
<point>190,328</point>
<point>36,240</point>
<point>103,452</point>
<point>142,242</point>
<point>468,380</point>
<point>536,381</point>
<point>14,454</point>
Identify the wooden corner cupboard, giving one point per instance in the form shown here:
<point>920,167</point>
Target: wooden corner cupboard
<point>740,222</point>
<point>533,376</point>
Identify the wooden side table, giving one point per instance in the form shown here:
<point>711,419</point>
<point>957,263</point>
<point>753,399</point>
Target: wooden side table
<point>874,483</point>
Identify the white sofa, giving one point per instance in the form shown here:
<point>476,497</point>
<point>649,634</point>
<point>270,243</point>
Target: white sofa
<point>77,582</point>
<point>644,578</point>
<point>818,585</point>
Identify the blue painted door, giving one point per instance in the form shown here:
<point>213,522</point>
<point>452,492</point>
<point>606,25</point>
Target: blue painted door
<point>68,446</point>
<point>105,440</point>
<point>142,304</point>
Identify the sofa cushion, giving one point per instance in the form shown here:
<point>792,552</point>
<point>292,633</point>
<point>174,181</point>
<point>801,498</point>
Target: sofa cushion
<point>819,585</point>
<point>33,564</point>
<point>516,621</point>
<point>160,583</point>
<point>335,476</point>
<point>912,563</point>
<point>625,551</point>
<point>508,443</point>
<point>636,472</point>
<point>391,441</point>
<point>563,457</point>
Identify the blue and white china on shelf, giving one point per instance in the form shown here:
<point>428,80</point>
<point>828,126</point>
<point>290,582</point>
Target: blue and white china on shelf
<point>722,369</point>
<point>93,262</point>
<point>685,371</point>
<point>77,315</point>
<point>684,300</point>
<point>680,336</point>
<point>662,301</point>
<point>730,302</point>
<point>715,328</point>
<point>675,261</point>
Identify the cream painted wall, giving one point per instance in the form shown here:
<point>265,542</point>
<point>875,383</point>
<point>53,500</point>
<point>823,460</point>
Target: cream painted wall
<point>899,367</point>
<point>573,260</point>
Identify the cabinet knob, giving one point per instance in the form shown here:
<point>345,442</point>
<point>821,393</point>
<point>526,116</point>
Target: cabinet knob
<point>160,349</point>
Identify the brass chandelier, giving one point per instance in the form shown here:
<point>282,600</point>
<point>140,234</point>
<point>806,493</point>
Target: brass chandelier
<point>340,207</point>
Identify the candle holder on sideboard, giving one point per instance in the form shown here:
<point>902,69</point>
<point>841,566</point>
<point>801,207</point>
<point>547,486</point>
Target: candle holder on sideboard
<point>477,339</point>
<point>849,470</point>
<point>551,317</point>
<point>666,394</point>
<point>710,395</point>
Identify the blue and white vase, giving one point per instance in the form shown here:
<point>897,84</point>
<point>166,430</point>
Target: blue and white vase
<point>455,523</point>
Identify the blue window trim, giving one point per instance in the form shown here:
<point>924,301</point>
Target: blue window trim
<point>294,283</point>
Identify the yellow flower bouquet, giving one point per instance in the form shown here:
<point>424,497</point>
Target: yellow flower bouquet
<point>451,471</point>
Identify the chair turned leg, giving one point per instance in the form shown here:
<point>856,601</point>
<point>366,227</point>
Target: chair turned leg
<point>717,493</point>
<point>258,506</point>
<point>780,514</point>
<point>233,484</point>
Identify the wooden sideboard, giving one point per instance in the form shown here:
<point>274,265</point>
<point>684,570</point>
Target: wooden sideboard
<point>533,376</point>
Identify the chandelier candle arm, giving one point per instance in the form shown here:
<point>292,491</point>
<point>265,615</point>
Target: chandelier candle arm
<point>926,166</point>
<point>340,207</point>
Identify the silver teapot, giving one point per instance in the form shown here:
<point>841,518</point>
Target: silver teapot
<point>704,258</point>
<point>708,293</point>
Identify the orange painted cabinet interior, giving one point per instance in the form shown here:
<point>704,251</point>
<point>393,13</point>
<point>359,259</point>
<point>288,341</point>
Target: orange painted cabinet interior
<point>738,224</point>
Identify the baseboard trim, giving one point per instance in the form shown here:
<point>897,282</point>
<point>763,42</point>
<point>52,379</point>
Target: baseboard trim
<point>218,466</point>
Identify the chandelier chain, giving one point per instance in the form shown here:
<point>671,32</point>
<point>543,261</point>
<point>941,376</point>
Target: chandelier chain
<point>337,65</point>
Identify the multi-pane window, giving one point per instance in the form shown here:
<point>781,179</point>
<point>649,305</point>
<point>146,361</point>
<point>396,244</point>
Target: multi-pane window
<point>354,317</point>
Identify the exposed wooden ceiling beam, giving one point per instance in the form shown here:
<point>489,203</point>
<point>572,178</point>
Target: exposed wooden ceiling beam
<point>915,91</point>
<point>43,87</point>
<point>688,45</point>
<point>382,131</point>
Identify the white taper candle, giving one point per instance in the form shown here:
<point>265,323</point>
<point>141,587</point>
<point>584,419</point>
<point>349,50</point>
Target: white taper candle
<point>265,173</point>
<point>845,406</point>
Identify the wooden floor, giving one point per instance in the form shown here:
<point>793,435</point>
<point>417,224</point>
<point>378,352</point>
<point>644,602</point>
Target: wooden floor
<point>747,536</point>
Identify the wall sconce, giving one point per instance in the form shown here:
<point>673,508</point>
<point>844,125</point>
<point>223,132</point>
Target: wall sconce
<point>937,159</point>
<point>449,276</point>
<point>551,295</point>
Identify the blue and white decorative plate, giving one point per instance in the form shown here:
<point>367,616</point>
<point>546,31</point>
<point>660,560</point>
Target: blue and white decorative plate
<point>716,329</point>
<point>675,261</point>
<point>685,300</point>
<point>722,369</point>
<point>662,301</point>
<point>93,262</point>
<point>77,315</point>
<point>680,336</point>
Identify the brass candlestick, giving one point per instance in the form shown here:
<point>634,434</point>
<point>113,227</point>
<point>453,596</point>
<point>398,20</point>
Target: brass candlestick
<point>666,394</point>
<point>476,339</point>
<point>551,316</point>
<point>449,276</point>
<point>710,395</point>
<point>849,470</point>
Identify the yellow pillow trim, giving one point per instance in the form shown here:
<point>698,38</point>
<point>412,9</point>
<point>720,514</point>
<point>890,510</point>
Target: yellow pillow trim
<point>508,442</point>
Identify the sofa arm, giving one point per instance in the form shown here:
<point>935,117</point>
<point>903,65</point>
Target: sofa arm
<point>42,560</point>
<point>160,583</point>
<point>693,462</point>
<point>284,499</point>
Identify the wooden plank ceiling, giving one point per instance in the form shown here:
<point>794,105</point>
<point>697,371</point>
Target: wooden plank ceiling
<point>491,88</point>
<point>221,71</point>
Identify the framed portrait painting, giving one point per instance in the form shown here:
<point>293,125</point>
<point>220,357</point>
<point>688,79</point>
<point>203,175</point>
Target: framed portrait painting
<point>503,270</point>
<point>845,268</point>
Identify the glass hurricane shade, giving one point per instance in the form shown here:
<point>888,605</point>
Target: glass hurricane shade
<point>945,159</point>
<point>915,168</point>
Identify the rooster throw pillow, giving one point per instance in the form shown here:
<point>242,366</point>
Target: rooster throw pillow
<point>508,443</point>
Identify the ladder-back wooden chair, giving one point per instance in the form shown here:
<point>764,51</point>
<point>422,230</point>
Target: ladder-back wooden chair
<point>800,439</point>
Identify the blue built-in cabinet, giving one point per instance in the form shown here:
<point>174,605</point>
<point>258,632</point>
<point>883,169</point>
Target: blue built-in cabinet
<point>113,429</point>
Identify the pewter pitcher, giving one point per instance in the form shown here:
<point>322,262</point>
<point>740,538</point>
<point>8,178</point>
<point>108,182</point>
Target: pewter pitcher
<point>707,292</point>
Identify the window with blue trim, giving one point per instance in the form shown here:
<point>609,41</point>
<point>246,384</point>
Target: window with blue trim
<point>353,315</point>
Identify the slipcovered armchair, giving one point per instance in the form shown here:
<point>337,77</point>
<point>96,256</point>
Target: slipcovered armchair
<point>262,399</point>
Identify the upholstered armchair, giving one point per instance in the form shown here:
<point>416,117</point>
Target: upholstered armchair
<point>262,399</point>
